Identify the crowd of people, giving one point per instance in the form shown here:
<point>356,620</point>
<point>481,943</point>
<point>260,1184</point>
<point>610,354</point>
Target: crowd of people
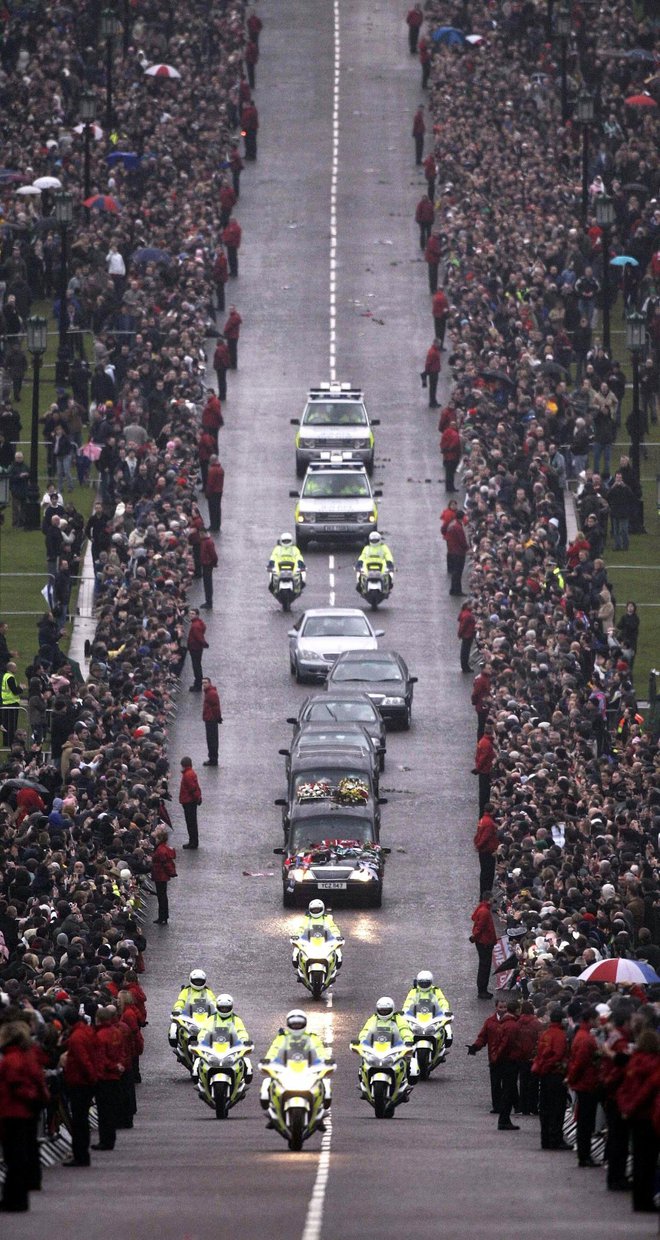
<point>84,784</point>
<point>569,799</point>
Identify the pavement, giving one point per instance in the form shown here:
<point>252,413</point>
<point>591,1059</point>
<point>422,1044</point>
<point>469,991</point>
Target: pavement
<point>441,1164</point>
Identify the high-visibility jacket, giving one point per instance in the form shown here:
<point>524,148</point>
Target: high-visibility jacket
<point>286,555</point>
<point>318,925</point>
<point>10,690</point>
<point>379,554</point>
<point>416,996</point>
<point>192,1000</point>
<point>392,1029</point>
<point>296,1044</point>
<point>223,1029</point>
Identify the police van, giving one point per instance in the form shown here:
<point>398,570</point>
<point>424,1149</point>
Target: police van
<point>335,418</point>
<point>336,502</point>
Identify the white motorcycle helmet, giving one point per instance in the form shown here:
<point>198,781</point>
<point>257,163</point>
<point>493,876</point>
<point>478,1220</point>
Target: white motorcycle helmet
<point>385,1007</point>
<point>224,1005</point>
<point>375,539</point>
<point>424,979</point>
<point>286,540</point>
<point>316,908</point>
<point>296,1020</point>
<point>198,979</point>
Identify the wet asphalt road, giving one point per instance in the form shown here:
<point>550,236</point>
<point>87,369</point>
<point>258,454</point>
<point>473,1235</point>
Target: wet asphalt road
<point>441,1165</point>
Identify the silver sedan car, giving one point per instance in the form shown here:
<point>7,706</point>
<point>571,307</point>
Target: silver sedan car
<point>322,634</point>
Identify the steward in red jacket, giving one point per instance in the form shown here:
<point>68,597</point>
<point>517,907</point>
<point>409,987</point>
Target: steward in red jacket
<point>549,1065</point>
<point>190,792</point>
<point>197,635</point>
<point>582,1076</point>
<point>484,933</point>
<point>23,1093</point>
<point>414,20</point>
<point>637,1098</point>
<point>212,418</point>
<point>486,838</point>
<point>480,691</point>
<point>424,217</point>
<point>467,624</point>
<point>232,235</point>
<point>552,1050</point>
<point>80,1077</point>
<point>450,447</point>
<point>455,536</point>
<point>484,757</point>
<point>211,709</point>
<point>208,552</point>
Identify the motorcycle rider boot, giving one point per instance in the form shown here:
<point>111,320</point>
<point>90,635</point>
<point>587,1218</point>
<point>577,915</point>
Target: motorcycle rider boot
<point>249,1073</point>
<point>264,1095</point>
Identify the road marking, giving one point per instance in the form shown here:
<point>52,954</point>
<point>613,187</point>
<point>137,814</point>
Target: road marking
<point>314,1219</point>
<point>333,199</point>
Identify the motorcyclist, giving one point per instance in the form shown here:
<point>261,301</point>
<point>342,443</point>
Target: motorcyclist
<point>387,1025</point>
<point>376,556</point>
<point>317,921</point>
<point>424,991</point>
<point>285,551</point>
<point>196,996</point>
<point>296,1040</point>
<point>225,1025</point>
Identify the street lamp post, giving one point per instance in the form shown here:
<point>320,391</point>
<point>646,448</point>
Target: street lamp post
<point>109,29</point>
<point>605,216</point>
<point>36,330</point>
<point>636,342</point>
<point>87,114</point>
<point>64,216</point>
<point>126,28</point>
<point>563,27</point>
<point>584,115</point>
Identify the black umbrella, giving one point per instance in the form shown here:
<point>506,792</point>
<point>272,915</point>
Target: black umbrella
<point>498,375</point>
<point>635,187</point>
<point>15,785</point>
<point>553,368</point>
<point>639,53</point>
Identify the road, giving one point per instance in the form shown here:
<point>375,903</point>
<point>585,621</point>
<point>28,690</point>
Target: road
<point>180,1173</point>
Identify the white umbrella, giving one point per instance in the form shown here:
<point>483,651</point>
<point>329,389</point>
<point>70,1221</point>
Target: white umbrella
<point>48,183</point>
<point>97,132</point>
<point>29,191</point>
<point>162,71</point>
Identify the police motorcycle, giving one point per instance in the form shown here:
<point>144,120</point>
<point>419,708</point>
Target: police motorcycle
<point>221,1066</point>
<point>287,578</point>
<point>183,1033</point>
<point>316,959</point>
<point>373,580</point>
<point>432,1033</point>
<point>296,1091</point>
<point>386,1063</point>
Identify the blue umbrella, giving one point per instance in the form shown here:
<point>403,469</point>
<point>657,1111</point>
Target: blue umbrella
<point>130,159</point>
<point>149,254</point>
<point>449,35</point>
<point>623,260</point>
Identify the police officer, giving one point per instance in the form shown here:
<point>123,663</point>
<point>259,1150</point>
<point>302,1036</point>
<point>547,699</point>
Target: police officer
<point>10,690</point>
<point>285,551</point>
<point>377,553</point>
<point>317,922</point>
<point>296,1040</point>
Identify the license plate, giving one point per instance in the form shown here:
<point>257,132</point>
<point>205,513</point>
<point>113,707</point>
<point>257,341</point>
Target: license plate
<point>332,886</point>
<point>334,529</point>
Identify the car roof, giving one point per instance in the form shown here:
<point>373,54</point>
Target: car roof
<point>368,656</point>
<point>332,756</point>
<point>310,810</point>
<point>334,611</point>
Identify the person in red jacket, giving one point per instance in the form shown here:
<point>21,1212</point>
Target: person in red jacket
<point>582,1076</point>
<point>126,1100</point>
<point>431,372</point>
<point>209,561</point>
<point>80,1075</point>
<point>132,984</point>
<point>251,57</point>
<point>110,1067</point>
<point>250,128</point>
<point>457,549</point>
<point>196,524</point>
<point>467,628</point>
<point>212,718</point>
<point>529,1031</point>
<point>163,868</point>
<point>414,20</point>
<point>450,447</point>
<point>489,1035</point>
<point>549,1065</point>
<point>23,1093</point>
<point>254,27</point>
<point>227,199</point>
<point>509,1055</point>
<point>196,643</point>
<point>424,217</point>
<point>215,485</point>
<point>486,842</point>
<point>637,1099</point>
<point>615,1058</point>
<point>484,937</point>
<point>212,419</point>
<point>190,797</point>
<point>232,235</point>
<point>206,446</point>
<point>481,699</point>
<point>221,364</point>
<point>232,331</point>
<point>484,759</point>
<point>430,172</point>
<point>220,275</point>
<point>433,257</point>
<point>418,131</point>
<point>425,60</point>
<point>440,312</point>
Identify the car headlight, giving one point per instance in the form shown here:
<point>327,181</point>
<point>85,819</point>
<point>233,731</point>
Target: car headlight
<point>373,516</point>
<point>361,443</point>
<point>393,701</point>
<point>311,655</point>
<point>300,518</point>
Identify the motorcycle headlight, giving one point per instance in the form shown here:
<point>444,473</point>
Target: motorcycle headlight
<point>393,701</point>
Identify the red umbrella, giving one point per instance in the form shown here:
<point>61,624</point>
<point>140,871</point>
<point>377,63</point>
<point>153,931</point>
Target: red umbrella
<point>162,71</point>
<point>102,202</point>
<point>641,101</point>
